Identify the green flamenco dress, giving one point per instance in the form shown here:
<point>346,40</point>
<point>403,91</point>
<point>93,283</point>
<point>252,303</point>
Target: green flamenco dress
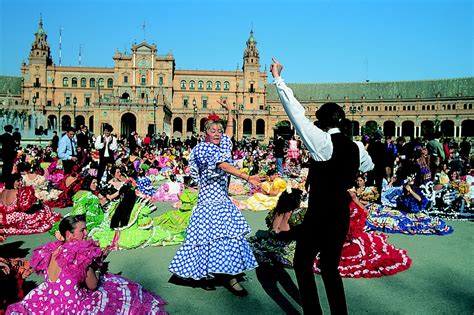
<point>140,230</point>
<point>88,204</point>
<point>178,220</point>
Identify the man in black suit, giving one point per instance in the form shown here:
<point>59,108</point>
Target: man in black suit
<point>83,138</point>
<point>8,151</point>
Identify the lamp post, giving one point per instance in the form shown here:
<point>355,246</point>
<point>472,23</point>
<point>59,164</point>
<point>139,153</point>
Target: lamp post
<point>59,118</point>
<point>74,102</point>
<point>194,114</point>
<point>154,115</point>
<point>34,103</point>
<point>354,109</point>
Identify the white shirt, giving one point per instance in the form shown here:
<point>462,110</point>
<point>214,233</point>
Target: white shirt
<point>110,140</point>
<point>317,141</point>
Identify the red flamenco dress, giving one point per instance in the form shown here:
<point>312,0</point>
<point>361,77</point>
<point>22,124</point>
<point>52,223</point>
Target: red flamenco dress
<point>12,289</point>
<point>69,185</point>
<point>367,254</point>
<point>25,216</point>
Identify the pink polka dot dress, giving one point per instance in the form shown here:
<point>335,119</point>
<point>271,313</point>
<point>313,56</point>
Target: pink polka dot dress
<point>68,294</point>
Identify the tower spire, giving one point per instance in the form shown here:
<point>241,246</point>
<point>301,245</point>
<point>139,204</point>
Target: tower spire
<point>39,48</point>
<point>251,55</point>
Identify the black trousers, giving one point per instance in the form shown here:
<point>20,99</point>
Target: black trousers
<point>68,165</point>
<point>102,164</point>
<point>7,169</point>
<point>323,231</point>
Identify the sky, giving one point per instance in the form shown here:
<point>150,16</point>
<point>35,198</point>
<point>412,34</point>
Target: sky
<point>316,41</point>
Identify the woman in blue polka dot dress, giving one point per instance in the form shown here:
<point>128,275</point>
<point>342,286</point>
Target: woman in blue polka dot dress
<point>215,238</point>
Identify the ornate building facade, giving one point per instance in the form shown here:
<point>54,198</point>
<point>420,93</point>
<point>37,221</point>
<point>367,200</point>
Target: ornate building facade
<point>144,92</point>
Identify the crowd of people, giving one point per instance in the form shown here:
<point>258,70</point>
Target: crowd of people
<point>328,198</point>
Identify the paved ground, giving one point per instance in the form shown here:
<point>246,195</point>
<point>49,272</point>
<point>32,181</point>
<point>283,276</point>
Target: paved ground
<point>440,280</point>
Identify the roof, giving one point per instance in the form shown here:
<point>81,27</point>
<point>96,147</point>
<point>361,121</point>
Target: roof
<point>459,87</point>
<point>10,85</point>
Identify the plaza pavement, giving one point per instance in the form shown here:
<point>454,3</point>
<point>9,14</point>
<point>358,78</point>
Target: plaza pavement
<point>440,280</point>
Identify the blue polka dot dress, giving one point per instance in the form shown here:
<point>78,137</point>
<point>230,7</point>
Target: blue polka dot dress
<point>215,238</point>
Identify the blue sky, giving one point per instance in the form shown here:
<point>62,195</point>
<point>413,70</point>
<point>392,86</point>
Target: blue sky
<point>317,41</point>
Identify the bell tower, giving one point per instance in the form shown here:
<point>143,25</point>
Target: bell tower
<point>251,55</point>
<point>40,52</point>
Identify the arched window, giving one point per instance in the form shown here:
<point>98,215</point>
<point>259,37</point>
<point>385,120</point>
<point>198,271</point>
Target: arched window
<point>192,85</point>
<point>65,82</point>
<point>83,82</point>
<point>209,85</point>
<point>200,85</point>
<point>218,85</point>
<point>143,81</point>
<point>74,82</point>
<point>92,82</point>
<point>110,83</point>
<point>226,85</point>
<point>183,85</point>
<point>260,130</point>
<point>101,82</point>
<point>247,127</point>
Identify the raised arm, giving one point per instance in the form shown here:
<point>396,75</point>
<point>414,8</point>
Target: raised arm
<point>229,130</point>
<point>316,140</point>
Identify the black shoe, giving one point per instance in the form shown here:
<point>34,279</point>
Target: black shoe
<point>234,291</point>
<point>206,285</point>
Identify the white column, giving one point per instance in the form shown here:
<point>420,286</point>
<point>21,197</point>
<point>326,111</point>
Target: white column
<point>133,75</point>
<point>152,68</point>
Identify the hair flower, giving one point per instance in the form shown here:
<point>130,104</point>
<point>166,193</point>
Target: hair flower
<point>213,117</point>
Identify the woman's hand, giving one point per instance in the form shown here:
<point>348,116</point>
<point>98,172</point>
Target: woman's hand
<point>255,180</point>
<point>223,103</point>
<point>4,268</point>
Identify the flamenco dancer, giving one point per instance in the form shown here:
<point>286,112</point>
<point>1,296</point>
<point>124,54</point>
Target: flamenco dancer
<point>215,238</point>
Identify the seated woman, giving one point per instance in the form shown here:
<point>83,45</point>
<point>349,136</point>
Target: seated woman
<point>366,195</point>
<point>364,254</point>
<point>40,184</point>
<point>74,283</point>
<point>20,213</point>
<point>88,202</point>
<point>167,192</point>
<point>409,217</point>
<point>129,214</point>
<point>270,192</point>
<point>69,185</point>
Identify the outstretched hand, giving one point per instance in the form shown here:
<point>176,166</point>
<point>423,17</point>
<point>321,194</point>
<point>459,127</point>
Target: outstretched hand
<point>255,180</point>
<point>224,104</point>
<point>276,68</point>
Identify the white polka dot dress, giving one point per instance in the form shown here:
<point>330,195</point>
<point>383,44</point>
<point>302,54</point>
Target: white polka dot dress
<point>215,238</point>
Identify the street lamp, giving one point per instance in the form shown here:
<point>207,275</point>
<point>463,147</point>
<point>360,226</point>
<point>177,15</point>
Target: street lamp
<point>194,114</point>
<point>154,115</point>
<point>34,103</point>
<point>354,109</point>
<point>59,118</point>
<point>74,102</point>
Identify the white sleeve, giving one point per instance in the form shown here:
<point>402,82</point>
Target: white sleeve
<point>317,142</point>
<point>113,146</point>
<point>98,143</point>
<point>366,163</point>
